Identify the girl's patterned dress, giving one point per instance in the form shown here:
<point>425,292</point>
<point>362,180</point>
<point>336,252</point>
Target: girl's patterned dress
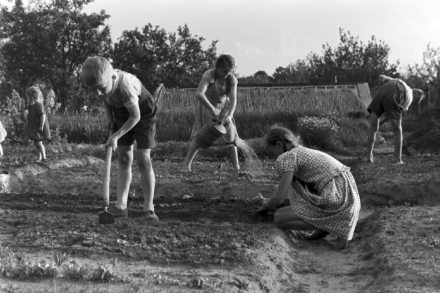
<point>323,192</point>
<point>217,95</point>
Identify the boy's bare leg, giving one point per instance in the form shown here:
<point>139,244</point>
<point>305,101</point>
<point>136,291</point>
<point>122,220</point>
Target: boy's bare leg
<point>148,179</point>
<point>398,140</point>
<point>233,155</point>
<point>190,155</point>
<point>125,159</point>
<point>374,127</point>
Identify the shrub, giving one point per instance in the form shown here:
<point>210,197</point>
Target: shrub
<point>318,131</point>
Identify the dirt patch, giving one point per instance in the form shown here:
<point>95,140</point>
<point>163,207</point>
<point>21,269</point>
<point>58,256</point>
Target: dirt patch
<point>210,240</point>
<point>425,132</point>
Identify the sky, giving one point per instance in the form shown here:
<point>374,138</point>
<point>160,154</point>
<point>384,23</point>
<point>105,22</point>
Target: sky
<point>266,34</point>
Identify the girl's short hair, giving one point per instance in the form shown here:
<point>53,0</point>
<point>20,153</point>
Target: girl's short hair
<point>35,92</point>
<point>96,70</point>
<point>279,133</point>
<point>225,61</point>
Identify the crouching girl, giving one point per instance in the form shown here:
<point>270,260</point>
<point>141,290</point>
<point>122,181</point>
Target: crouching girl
<point>322,191</point>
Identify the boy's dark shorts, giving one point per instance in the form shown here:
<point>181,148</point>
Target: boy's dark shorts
<point>388,100</point>
<point>144,136</point>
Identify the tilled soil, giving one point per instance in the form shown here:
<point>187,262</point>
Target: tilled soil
<point>209,238</point>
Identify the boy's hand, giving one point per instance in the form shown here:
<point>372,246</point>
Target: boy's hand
<point>112,142</point>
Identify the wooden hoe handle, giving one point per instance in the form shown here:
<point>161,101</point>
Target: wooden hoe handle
<point>106,187</point>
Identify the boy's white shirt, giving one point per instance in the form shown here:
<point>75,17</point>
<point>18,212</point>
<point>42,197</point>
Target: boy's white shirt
<point>409,94</point>
<point>130,84</point>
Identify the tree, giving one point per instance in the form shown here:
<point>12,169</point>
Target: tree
<point>352,60</point>
<point>50,41</point>
<point>427,74</point>
<point>293,73</point>
<point>258,77</point>
<point>155,56</point>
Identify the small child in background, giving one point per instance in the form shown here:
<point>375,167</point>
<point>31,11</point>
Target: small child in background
<point>38,125</point>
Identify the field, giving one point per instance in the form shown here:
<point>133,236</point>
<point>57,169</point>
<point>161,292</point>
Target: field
<point>209,238</point>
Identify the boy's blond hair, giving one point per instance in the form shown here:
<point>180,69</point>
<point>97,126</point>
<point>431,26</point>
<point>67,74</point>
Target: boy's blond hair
<point>35,92</point>
<point>96,70</point>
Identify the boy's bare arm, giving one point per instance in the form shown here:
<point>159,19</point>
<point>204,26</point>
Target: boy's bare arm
<point>135,117</point>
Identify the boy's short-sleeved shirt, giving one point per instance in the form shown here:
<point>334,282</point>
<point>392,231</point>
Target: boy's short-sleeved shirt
<point>125,91</point>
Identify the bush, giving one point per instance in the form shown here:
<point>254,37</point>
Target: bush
<point>318,131</point>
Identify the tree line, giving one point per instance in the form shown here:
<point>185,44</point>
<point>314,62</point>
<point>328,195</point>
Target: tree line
<point>47,42</point>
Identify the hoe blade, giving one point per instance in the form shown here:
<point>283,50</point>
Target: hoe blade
<point>106,217</point>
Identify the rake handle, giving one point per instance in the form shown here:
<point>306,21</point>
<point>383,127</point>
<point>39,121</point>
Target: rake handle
<point>106,186</point>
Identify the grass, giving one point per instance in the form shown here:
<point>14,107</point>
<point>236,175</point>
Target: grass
<point>257,110</point>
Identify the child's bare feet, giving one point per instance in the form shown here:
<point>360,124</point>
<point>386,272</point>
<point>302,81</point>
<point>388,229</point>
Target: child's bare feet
<point>150,216</point>
<point>185,168</point>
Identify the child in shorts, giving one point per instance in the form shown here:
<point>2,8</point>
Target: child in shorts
<point>38,125</point>
<point>3,135</point>
<point>393,97</point>
<point>131,113</point>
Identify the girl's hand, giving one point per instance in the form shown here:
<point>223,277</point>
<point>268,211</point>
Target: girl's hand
<point>227,120</point>
<point>263,210</point>
<point>215,112</point>
<point>40,129</point>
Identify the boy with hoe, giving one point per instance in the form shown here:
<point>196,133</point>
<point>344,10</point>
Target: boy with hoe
<point>131,114</point>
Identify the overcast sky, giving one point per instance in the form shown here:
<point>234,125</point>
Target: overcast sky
<point>266,34</point>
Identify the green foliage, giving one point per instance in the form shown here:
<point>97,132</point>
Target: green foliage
<point>318,131</point>
<point>85,127</point>
<point>297,72</point>
<point>428,73</point>
<point>61,37</point>
<point>352,60</point>
<point>175,59</point>
<point>15,266</point>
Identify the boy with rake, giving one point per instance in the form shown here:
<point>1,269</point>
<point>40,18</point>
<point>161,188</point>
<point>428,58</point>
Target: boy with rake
<point>131,114</point>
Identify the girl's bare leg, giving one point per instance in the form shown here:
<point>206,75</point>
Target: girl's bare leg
<point>40,149</point>
<point>190,155</point>
<point>233,155</point>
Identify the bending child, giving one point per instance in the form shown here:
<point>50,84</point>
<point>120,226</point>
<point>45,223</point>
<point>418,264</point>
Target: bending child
<point>3,134</point>
<point>322,191</point>
<point>38,125</point>
<point>393,97</point>
<point>131,111</point>
<point>217,99</point>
